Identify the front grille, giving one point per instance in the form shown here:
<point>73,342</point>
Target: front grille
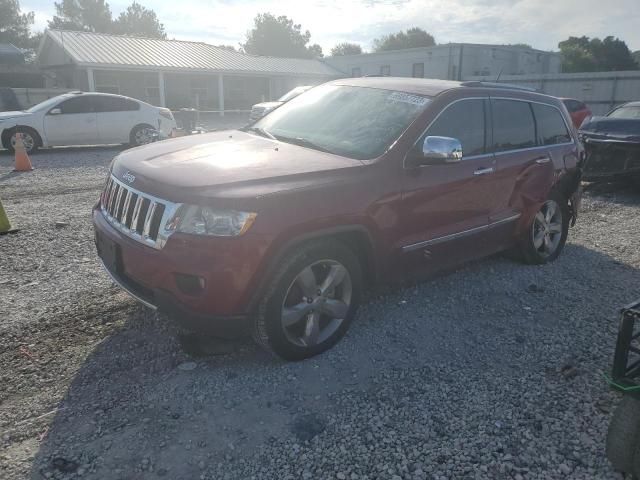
<point>136,214</point>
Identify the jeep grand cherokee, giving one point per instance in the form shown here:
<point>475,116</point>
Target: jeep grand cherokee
<point>282,225</point>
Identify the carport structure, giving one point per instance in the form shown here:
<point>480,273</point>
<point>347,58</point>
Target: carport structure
<point>172,73</point>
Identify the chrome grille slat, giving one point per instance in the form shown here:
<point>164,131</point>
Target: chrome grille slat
<point>125,208</point>
<point>138,215</point>
<point>147,221</point>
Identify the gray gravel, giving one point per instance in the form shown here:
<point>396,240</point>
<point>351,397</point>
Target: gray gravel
<point>494,371</point>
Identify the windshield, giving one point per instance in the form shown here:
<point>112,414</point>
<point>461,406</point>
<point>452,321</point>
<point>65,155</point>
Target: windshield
<point>632,112</point>
<point>293,94</point>
<point>355,122</point>
<point>52,102</point>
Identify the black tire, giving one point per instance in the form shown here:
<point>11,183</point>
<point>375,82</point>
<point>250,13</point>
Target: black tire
<point>529,252</point>
<point>623,437</point>
<point>135,131</point>
<point>7,139</point>
<point>268,330</point>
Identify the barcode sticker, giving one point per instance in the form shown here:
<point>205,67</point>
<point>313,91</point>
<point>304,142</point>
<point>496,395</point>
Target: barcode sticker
<point>408,98</point>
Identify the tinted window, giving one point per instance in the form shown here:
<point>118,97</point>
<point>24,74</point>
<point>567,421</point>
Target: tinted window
<point>551,126</point>
<point>513,125</point>
<point>82,104</point>
<point>463,120</point>
<point>115,104</point>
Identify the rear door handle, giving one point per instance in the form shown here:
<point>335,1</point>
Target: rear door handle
<point>483,171</point>
<point>543,160</point>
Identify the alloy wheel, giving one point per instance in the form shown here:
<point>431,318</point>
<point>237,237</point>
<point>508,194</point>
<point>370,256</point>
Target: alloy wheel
<point>547,228</point>
<point>316,303</point>
<point>143,136</point>
<point>27,139</point>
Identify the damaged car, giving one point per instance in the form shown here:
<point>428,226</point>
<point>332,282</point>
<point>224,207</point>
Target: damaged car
<point>612,145</point>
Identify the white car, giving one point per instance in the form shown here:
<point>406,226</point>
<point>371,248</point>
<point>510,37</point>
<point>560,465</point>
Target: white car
<point>79,118</point>
<point>259,110</point>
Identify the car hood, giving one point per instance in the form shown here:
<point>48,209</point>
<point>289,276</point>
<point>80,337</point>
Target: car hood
<point>267,105</point>
<point>226,164</point>
<point>605,128</point>
<point>14,114</point>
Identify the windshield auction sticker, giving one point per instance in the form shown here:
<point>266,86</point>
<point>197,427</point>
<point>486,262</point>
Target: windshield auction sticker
<point>407,98</point>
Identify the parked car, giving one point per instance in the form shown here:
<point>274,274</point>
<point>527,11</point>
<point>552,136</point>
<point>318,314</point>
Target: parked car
<point>612,144</point>
<point>283,224</point>
<point>85,119</point>
<point>259,110</point>
<point>577,109</point>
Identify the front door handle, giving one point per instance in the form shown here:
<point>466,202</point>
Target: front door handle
<point>543,160</point>
<point>483,171</point>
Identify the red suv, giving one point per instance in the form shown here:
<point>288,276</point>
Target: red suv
<point>280,226</point>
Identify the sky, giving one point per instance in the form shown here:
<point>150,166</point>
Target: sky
<point>539,23</point>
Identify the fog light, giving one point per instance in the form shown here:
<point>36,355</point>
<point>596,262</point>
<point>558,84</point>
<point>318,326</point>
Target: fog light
<point>189,284</point>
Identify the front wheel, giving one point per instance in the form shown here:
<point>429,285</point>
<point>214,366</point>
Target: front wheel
<point>623,436</point>
<point>313,299</point>
<point>547,234</point>
<point>30,139</point>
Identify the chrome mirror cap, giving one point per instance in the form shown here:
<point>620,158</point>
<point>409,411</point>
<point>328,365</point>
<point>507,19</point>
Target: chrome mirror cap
<point>441,150</point>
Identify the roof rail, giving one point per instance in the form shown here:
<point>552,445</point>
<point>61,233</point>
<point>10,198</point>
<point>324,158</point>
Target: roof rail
<point>510,86</point>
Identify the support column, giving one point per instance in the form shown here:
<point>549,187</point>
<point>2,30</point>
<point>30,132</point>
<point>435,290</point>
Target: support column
<point>163,101</point>
<point>90,79</point>
<point>221,95</point>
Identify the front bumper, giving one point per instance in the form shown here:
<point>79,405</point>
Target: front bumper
<point>228,267</point>
<point>610,159</point>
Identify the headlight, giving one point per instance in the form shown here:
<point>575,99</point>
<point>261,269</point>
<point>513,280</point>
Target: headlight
<point>207,221</point>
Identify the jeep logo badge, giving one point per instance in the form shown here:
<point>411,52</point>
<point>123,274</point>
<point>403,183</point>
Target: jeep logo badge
<point>129,177</point>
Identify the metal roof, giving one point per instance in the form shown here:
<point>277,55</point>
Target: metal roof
<point>103,50</point>
<point>9,53</point>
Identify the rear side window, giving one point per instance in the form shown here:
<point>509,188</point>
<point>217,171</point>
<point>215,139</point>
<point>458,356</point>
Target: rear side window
<point>551,127</point>
<point>513,125</point>
<point>82,104</point>
<point>115,104</point>
<point>463,120</point>
<point>574,105</point>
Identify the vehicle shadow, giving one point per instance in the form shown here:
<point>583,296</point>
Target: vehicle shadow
<point>141,407</point>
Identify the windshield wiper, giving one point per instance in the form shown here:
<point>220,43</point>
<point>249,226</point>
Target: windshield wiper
<point>260,131</point>
<point>302,142</point>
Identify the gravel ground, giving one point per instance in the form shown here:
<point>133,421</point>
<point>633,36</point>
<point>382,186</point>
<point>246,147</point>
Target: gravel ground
<point>494,371</point>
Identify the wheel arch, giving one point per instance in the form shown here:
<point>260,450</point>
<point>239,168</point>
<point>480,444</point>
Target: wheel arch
<point>356,237</point>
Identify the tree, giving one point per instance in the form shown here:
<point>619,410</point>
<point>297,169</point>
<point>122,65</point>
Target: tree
<point>279,37</point>
<point>15,25</point>
<point>82,15</point>
<point>231,48</point>
<point>412,38</point>
<point>346,48</point>
<point>138,20</point>
<point>582,54</point>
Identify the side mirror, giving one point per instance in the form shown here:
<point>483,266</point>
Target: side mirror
<point>436,151</point>
<point>55,111</point>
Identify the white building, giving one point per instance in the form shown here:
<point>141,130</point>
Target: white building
<point>454,61</point>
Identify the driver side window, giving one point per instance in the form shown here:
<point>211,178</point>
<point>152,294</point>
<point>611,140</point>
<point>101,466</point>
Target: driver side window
<point>465,121</point>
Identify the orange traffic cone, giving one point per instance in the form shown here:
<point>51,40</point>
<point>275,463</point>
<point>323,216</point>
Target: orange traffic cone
<point>23,163</point>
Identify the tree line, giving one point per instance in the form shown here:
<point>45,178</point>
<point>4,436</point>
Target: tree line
<point>280,36</point>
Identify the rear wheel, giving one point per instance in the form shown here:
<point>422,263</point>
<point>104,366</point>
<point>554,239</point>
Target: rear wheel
<point>142,135</point>
<point>313,299</point>
<point>623,437</point>
<point>547,234</point>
